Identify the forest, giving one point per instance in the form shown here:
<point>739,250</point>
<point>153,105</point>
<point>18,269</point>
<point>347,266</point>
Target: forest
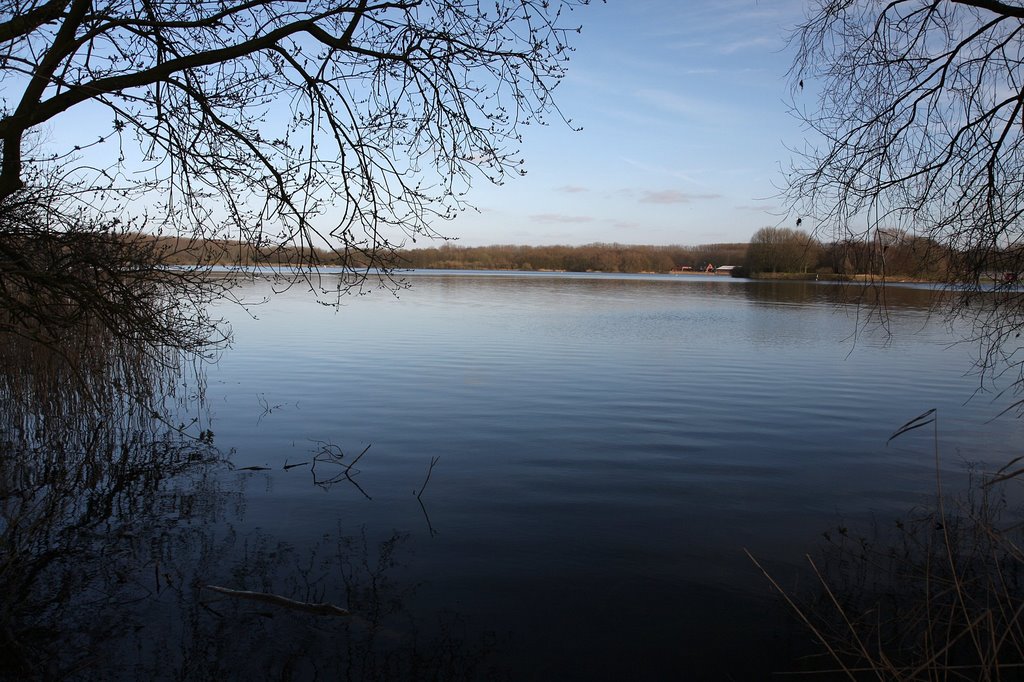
<point>588,258</point>
<point>771,253</point>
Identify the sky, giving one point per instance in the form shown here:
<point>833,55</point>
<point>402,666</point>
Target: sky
<point>686,133</point>
<point>684,108</point>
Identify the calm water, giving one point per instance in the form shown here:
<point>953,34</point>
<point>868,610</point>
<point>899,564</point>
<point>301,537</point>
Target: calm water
<point>558,477</point>
<point>604,448</point>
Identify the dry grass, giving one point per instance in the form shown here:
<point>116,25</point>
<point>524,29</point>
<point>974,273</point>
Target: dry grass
<point>938,597</point>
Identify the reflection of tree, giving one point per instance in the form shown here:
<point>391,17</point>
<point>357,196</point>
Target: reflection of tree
<point>382,640</point>
<point>113,519</point>
<point>84,458</point>
<point>70,279</point>
<point>868,298</point>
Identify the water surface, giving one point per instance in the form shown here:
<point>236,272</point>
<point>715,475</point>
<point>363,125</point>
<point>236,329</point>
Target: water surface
<point>605,447</point>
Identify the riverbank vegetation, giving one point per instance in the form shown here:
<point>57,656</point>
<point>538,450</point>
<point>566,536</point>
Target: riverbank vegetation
<point>185,251</point>
<point>881,254</point>
<point>936,594</point>
<point>588,258</point>
<point>915,156</point>
<point>773,253</point>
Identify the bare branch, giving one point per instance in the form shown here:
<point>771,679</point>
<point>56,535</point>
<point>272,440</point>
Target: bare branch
<point>917,130</point>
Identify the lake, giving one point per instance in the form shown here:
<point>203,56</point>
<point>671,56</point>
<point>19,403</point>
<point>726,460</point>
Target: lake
<point>557,476</point>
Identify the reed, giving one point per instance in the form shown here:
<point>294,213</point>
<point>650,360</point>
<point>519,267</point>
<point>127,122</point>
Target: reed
<point>939,596</point>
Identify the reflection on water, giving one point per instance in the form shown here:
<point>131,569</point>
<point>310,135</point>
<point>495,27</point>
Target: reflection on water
<point>92,480</point>
<point>381,640</point>
<point>500,477</point>
<point>608,447</point>
<point>116,512</point>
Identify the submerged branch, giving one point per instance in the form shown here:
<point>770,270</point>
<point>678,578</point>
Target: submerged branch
<point>319,609</point>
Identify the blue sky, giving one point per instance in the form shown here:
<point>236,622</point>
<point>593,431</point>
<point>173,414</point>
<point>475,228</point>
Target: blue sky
<point>683,106</point>
<point>684,109</point>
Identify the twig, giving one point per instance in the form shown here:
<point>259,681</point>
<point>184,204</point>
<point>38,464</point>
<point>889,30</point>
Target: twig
<point>349,468</point>
<point>430,469</point>
<point>266,407</point>
<point>419,495</point>
<point>332,453</point>
<point>320,609</point>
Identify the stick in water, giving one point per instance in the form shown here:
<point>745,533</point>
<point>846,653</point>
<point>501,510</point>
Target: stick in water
<point>322,609</point>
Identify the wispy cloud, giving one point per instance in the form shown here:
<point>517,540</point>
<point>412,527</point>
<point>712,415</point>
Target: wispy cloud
<point>687,176</point>
<point>701,71</point>
<point>695,22</point>
<point>671,101</point>
<point>694,108</point>
<point>571,189</point>
<point>747,44</point>
<point>623,224</point>
<point>671,196</point>
<point>560,218</point>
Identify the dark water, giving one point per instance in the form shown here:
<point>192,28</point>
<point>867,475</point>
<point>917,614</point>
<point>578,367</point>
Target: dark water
<point>601,451</point>
<point>608,446</point>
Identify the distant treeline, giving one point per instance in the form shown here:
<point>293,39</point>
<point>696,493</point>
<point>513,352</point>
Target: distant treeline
<point>589,258</point>
<point>772,252</point>
<point>186,251</point>
<point>895,254</point>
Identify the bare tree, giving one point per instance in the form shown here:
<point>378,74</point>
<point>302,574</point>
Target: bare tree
<point>781,249</point>
<point>139,134</point>
<point>917,128</point>
<point>310,132</point>
<point>347,126</point>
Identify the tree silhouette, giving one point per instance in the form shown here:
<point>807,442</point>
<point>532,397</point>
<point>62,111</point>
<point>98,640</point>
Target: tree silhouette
<point>312,132</point>
<point>917,130</point>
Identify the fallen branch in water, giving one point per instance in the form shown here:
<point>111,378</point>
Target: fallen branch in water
<point>331,453</point>
<point>430,470</point>
<point>321,609</point>
<point>419,495</point>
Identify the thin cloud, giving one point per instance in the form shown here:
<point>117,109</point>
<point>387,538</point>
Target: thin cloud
<point>671,101</point>
<point>757,209</point>
<point>560,218</point>
<point>671,196</point>
<point>702,71</point>
<point>571,189</point>
<point>693,108</point>
<point>724,27</point>
<point>748,44</point>
<point>689,178</point>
